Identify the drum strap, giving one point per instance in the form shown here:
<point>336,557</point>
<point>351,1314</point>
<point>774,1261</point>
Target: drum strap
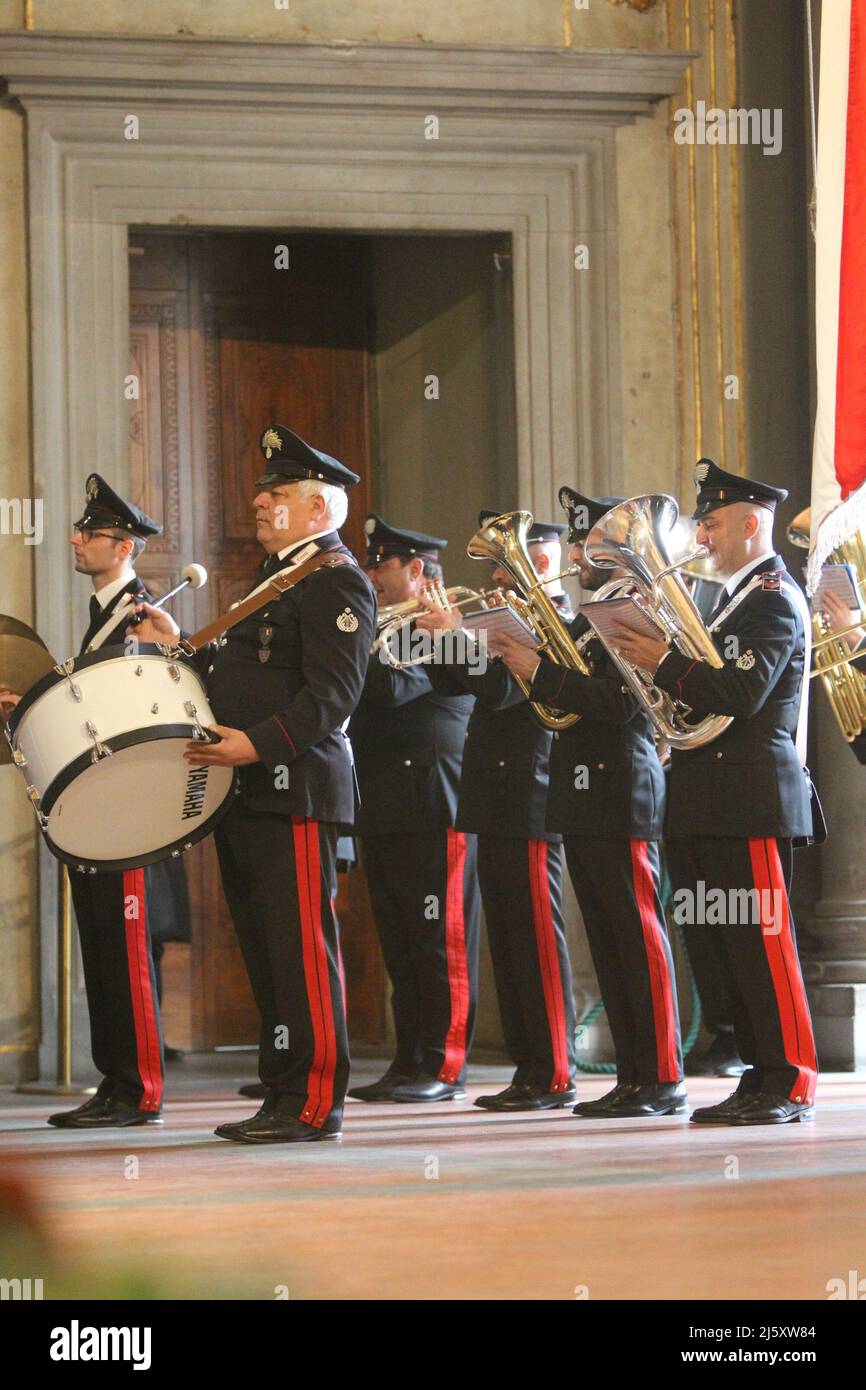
<point>111,622</point>
<point>278,584</point>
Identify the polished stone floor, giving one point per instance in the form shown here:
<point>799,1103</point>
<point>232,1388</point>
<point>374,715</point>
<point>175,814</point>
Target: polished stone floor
<point>443,1201</point>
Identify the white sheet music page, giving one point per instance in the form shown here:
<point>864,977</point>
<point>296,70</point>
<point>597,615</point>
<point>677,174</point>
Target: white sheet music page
<point>608,612</point>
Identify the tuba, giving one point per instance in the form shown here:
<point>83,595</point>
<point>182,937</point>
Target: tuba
<point>633,536</point>
<point>844,684</point>
<point>503,540</point>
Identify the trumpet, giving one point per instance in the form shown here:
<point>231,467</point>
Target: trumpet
<point>503,540</point>
<point>394,617</point>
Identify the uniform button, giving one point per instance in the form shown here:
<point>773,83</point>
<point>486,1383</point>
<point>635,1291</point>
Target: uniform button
<point>719,755</point>
<point>501,762</point>
<point>601,767</point>
<point>407,762</point>
<point>556,735</point>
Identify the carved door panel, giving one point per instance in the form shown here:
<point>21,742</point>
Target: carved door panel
<point>223,342</point>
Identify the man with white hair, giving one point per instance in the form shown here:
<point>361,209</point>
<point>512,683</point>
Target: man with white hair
<point>738,805</point>
<point>282,683</point>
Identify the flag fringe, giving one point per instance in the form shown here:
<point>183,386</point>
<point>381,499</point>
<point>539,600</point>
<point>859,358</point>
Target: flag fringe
<point>838,526</point>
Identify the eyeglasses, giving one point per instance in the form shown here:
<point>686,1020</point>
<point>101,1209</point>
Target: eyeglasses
<point>88,536</point>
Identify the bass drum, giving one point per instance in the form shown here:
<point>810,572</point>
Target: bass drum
<point>100,743</point>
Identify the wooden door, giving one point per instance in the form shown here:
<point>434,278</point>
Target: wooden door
<point>224,341</point>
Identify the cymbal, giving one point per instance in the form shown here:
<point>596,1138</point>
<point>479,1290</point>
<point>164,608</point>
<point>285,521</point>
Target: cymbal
<point>24,659</point>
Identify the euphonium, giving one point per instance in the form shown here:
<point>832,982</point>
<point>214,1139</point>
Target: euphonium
<point>831,656</point>
<point>503,540</point>
<point>633,536</point>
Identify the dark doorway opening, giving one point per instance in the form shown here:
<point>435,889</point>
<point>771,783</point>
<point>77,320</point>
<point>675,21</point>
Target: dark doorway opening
<point>392,352</point>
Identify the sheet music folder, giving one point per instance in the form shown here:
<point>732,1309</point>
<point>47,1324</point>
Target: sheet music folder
<point>500,619</point>
<point>604,614</point>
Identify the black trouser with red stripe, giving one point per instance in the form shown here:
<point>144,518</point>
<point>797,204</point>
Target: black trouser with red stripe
<point>617,888</point>
<point>756,952</point>
<point>279,876</point>
<point>521,889</point>
<point>119,976</point>
<point>424,892</point>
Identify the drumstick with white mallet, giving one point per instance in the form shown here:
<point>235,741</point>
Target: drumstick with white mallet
<point>191,576</point>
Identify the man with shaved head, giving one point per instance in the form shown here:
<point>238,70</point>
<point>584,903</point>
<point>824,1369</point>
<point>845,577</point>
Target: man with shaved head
<point>738,805</point>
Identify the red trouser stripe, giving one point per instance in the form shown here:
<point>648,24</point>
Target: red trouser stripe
<point>548,962</point>
<point>796,1024</point>
<point>320,1081</point>
<point>340,962</point>
<point>140,991</point>
<point>455,957</point>
<point>661,991</point>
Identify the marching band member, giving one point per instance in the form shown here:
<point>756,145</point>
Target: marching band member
<point>283,682</point>
<point>113,909</point>
<point>421,869</point>
<point>503,796</point>
<point>606,798</point>
<point>736,804</point>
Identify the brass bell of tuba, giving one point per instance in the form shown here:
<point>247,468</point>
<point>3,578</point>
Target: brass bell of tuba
<point>504,540</point>
<point>633,536</point>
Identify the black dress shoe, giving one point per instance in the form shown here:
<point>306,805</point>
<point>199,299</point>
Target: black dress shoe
<point>230,1130</point>
<point>254,1090</point>
<point>273,1126</point>
<point>588,1108</point>
<point>725,1112</point>
<point>721,1058</point>
<point>521,1097</point>
<point>767,1108</point>
<point>423,1088</point>
<point>173,1054</point>
<point>380,1090</point>
<point>65,1119</point>
<point>114,1114</point>
<point>659,1098</point>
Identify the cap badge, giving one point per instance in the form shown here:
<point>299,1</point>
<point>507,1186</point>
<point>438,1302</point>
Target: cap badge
<point>746,661</point>
<point>347,622</point>
<point>369,526</point>
<point>92,488</point>
<point>701,472</point>
<point>270,441</point>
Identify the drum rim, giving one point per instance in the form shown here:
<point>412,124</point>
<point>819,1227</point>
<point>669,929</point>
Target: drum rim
<point>74,861</point>
<point>116,652</point>
<point>150,733</point>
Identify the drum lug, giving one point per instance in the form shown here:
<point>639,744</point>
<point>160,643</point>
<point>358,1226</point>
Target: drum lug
<point>66,670</point>
<point>174,673</point>
<point>33,793</point>
<point>154,709</point>
<point>18,758</point>
<point>99,749</point>
<point>198,731</point>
